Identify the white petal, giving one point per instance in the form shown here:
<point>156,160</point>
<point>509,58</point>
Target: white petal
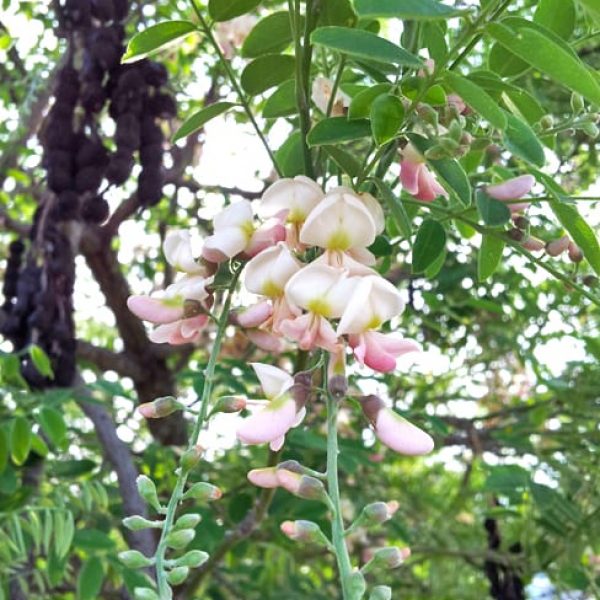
<point>339,222</point>
<point>225,243</point>
<point>376,211</point>
<point>177,248</point>
<point>298,196</point>
<point>269,424</point>
<point>274,381</point>
<point>189,288</point>
<point>238,214</point>
<point>400,435</point>
<point>268,272</point>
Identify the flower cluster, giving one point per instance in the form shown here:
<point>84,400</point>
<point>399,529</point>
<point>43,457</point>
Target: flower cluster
<point>308,262</point>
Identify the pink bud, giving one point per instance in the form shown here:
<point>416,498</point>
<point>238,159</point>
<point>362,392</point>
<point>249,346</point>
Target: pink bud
<point>575,253</point>
<point>255,315</point>
<point>533,244</point>
<point>557,247</point>
<point>161,407</point>
<point>230,404</point>
<point>153,310</point>
<point>269,342</point>
<point>511,189</point>
<point>390,557</point>
<point>264,478</point>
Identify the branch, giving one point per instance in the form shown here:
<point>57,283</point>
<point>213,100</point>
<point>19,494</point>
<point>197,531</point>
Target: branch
<point>106,360</point>
<point>118,455</point>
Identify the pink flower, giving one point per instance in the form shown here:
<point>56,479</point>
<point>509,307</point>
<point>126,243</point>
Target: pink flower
<point>264,478</point>
<point>184,331</point>
<point>255,315</point>
<point>379,351</point>
<point>279,414</point>
<point>395,431</point>
<point>417,179</point>
<point>512,189</point>
<point>557,247</point>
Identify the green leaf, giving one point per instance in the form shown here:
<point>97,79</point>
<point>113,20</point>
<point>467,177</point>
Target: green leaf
<point>72,468</point>
<point>338,129</point>
<point>92,539</point>
<point>89,581</point>
<point>197,120</point>
<point>344,160</point>
<point>53,425</point>
<point>429,244</point>
<point>405,9</point>
<point>359,43</point>
<point>20,440</point>
<point>557,15</point>
<point>592,7</point>
<point>396,207</point>
<point>479,100</point>
<point>272,34</point>
<point>282,102</point>
<point>41,361</point>
<point>223,10</point>
<point>290,157</point>
<point>4,450</point>
<point>360,106</point>
<point>436,266</point>
<point>521,140</point>
<point>549,57</point>
<point>449,170</point>
<point>266,72</point>
<point>337,12</point>
<point>489,256</point>
<point>387,115</point>
<point>155,38</point>
<point>493,212</point>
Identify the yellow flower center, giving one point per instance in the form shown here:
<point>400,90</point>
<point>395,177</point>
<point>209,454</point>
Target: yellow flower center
<point>271,289</point>
<point>319,306</point>
<point>339,240</point>
<point>248,228</point>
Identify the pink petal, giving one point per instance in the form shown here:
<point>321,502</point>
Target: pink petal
<point>512,189</point>
<point>269,424</point>
<point>264,478</point>
<point>153,310</point>
<point>255,315</point>
<point>277,444</point>
<point>409,176</point>
<point>266,341</point>
<point>327,337</point>
<point>429,188</point>
<point>223,244</point>
<point>520,207</point>
<point>265,237</point>
<point>180,332</point>
<point>400,435</point>
<point>297,329</point>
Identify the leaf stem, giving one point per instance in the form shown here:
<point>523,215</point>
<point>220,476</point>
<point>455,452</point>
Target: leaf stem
<point>234,82</point>
<point>164,591</point>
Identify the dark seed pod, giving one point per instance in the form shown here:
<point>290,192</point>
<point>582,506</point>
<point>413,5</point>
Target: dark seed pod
<point>121,9</point>
<point>128,132</point>
<point>151,132</point>
<point>154,73</point>
<point>95,210</point>
<point>89,179</point>
<point>91,153</point>
<point>106,54</point>
<point>16,248</point>
<point>149,187</point>
<point>91,70</point>
<point>120,167</point>
<point>162,106</point>
<point>93,96</point>
<point>67,205</point>
<point>59,180</point>
<point>103,10</point>
<point>59,134</point>
<point>151,156</point>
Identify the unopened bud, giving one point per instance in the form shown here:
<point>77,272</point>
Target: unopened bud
<point>137,523</point>
<point>516,234</point>
<point>229,404</point>
<point>143,593</point>
<point>381,592</point>
<point>264,478</point>
<point>188,521</point>
<point>338,386</point>
<point>521,222</point>
<point>191,457</point>
<point>557,247</point>
<point>178,575</point>
<point>590,281</point>
<point>449,145</point>
<point>455,130</point>
<point>574,252</point>
<point>436,152</point>
<point>301,389</point>
<point>192,308</point>
<point>356,584</point>
<point>203,492</point>
<point>291,465</point>
<point>147,491</point>
<point>302,486</point>
<point>428,114</point>
<point>133,559</point>
<point>180,539</point>
<point>591,130</point>
<point>533,244</point>
<point>161,407</point>
<point>390,557</point>
<point>192,559</point>
<point>303,531</point>
<point>577,103</point>
<point>378,512</point>
<point>466,139</point>
<point>546,122</point>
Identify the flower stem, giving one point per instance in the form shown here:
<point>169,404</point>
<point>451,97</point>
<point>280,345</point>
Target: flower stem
<point>337,531</point>
<point>234,83</point>
<point>164,591</point>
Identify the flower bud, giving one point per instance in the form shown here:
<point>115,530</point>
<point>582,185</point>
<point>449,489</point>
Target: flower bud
<point>136,523</point>
<point>590,130</point>
<point>533,244</point>
<point>291,465</point>
<point>192,559</point>
<point>204,492</point>
<point>190,458</point>
<point>357,586</point>
<point>436,152</point>
<point>143,593</point>
<point>381,592</point>
<point>521,222</point>
<point>590,281</point>
<point>178,575</point>
<point>390,557</point>
<point>455,130</point>
<point>303,486</point>
<point>180,539</point>
<point>577,103</point>
<point>428,114</point>
<point>188,521</point>
<point>147,491</point>
<point>378,512</point>
<point>546,122</point>
<point>574,252</point>
<point>557,247</point>
<point>133,559</point>
<point>303,531</point>
<point>264,478</point>
<point>516,234</point>
<point>161,407</point>
<point>229,404</point>
<point>301,389</point>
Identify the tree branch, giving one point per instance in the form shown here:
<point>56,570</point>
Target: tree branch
<point>106,360</point>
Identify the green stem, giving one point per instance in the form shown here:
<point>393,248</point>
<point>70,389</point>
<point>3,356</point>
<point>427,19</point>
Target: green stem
<point>164,591</point>
<point>337,531</point>
<point>234,83</point>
